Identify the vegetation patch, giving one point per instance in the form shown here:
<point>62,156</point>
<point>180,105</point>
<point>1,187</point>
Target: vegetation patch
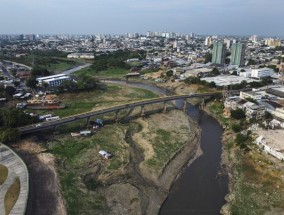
<point>165,146</point>
<point>257,181</point>
<point>79,157</point>
<point>78,201</point>
<point>259,186</point>
<point>3,174</point>
<point>81,102</point>
<point>12,195</point>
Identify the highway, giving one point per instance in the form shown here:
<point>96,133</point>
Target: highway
<point>6,72</point>
<point>65,120</point>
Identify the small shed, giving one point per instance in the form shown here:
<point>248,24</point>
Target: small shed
<point>105,154</point>
<point>85,133</point>
<point>99,122</point>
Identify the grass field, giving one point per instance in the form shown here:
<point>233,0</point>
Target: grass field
<point>115,72</point>
<point>3,174</point>
<point>164,145</point>
<point>12,195</point>
<point>259,186</point>
<point>87,101</point>
<point>80,156</point>
<point>62,66</point>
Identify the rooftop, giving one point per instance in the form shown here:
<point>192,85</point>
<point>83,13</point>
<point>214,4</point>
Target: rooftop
<point>227,80</point>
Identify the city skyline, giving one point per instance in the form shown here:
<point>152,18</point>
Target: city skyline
<point>204,17</point>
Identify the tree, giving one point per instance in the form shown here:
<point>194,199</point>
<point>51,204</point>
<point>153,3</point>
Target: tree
<point>251,62</point>
<point>17,83</point>
<point>243,84</point>
<point>69,85</point>
<point>236,128</point>
<point>9,91</point>
<point>238,114</point>
<point>9,135</point>
<point>215,71</point>
<point>192,80</point>
<point>32,82</point>
<point>211,84</point>
<point>208,57</point>
<point>170,73</point>
<point>39,71</point>
<point>12,117</point>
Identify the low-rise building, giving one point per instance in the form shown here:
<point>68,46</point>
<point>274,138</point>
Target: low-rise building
<point>53,80</point>
<point>81,55</point>
<point>250,94</point>
<point>278,113</point>
<point>226,80</point>
<point>254,111</point>
<point>262,73</point>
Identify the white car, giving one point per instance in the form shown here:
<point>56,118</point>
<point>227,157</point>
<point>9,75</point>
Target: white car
<point>38,125</point>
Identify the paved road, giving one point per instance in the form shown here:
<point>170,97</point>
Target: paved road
<point>48,125</point>
<point>6,72</point>
<point>68,72</point>
<point>16,168</point>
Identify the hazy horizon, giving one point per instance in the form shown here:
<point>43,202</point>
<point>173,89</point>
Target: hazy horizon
<point>204,17</point>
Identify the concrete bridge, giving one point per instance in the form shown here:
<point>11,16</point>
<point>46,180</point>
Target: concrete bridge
<point>116,109</point>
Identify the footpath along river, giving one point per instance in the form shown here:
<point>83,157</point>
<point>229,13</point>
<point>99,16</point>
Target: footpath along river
<point>201,187</point>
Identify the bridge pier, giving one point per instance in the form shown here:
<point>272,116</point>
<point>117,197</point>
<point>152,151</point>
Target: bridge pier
<point>116,116</point>
<point>165,107</point>
<point>184,105</point>
<point>88,120</point>
<point>142,111</point>
<point>202,105</point>
<point>55,131</point>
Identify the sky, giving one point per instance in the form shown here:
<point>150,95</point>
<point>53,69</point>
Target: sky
<point>206,17</point>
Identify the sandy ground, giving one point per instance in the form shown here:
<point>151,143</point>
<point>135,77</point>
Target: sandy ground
<point>144,143</point>
<point>45,197</point>
<point>273,138</point>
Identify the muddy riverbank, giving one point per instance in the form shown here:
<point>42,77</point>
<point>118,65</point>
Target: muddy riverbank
<point>45,194</point>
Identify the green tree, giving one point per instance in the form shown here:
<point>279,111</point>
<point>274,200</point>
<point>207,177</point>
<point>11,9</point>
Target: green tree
<point>9,135</point>
<point>170,73</point>
<point>192,80</point>
<point>40,71</point>
<point>9,91</point>
<point>238,113</point>
<point>211,84</point>
<point>251,62</point>
<point>236,128</point>
<point>215,71</point>
<point>208,57</point>
<point>32,82</point>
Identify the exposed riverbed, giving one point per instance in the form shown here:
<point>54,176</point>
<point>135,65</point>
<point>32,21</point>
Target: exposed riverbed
<point>202,185</point>
<point>199,189</point>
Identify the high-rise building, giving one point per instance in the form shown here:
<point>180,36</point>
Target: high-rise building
<point>273,42</point>
<point>238,54</point>
<point>219,53</point>
<point>253,38</point>
<point>228,43</point>
<point>208,41</point>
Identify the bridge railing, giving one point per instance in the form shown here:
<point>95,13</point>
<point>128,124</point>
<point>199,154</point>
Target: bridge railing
<point>117,107</point>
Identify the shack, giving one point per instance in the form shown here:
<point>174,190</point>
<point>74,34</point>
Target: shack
<point>85,133</point>
<point>105,154</point>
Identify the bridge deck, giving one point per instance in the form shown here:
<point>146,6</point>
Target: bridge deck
<point>69,119</point>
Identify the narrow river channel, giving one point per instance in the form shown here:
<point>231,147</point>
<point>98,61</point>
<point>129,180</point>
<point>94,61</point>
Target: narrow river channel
<point>201,187</point>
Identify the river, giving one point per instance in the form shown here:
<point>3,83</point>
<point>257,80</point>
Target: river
<point>201,187</point>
